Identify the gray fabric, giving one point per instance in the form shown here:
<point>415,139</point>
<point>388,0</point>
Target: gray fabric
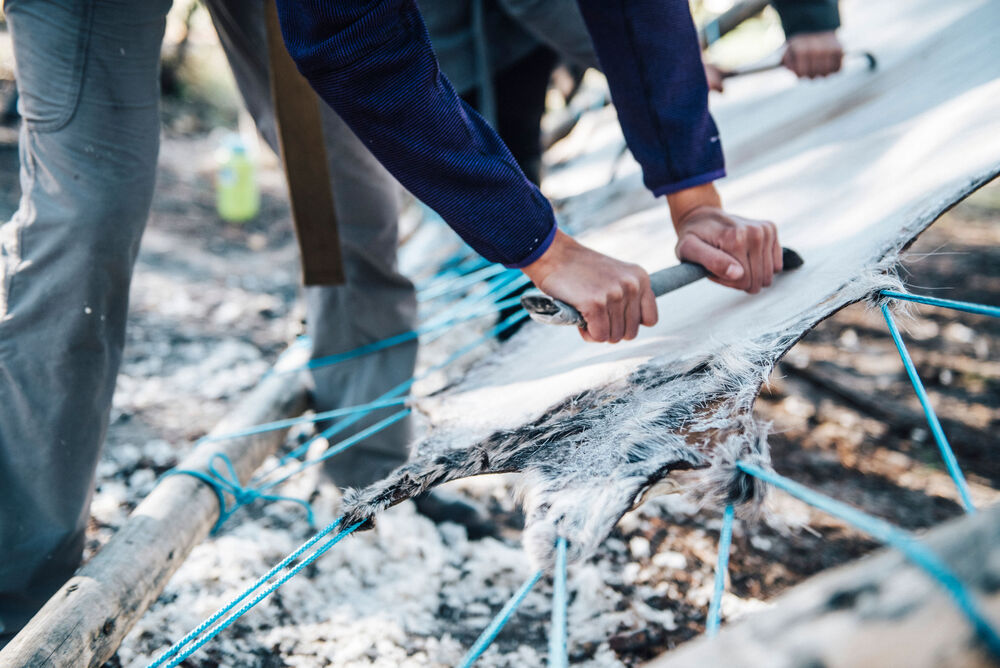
<point>88,156</point>
<point>557,23</point>
<point>513,29</point>
<point>87,73</point>
<point>377,301</point>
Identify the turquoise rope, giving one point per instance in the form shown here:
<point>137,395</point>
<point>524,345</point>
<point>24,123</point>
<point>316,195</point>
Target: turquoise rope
<point>384,401</point>
<point>242,496</point>
<point>340,447</point>
<point>507,323</point>
<point>721,569</point>
<point>500,287</point>
<point>942,441</point>
<point>458,283</point>
<point>403,387</point>
<point>558,655</point>
<point>919,554</point>
<point>176,647</point>
<point>490,633</point>
<point>399,339</point>
<point>303,419</point>
<point>968,307</point>
<point>176,652</point>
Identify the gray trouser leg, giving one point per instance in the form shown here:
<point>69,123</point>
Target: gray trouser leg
<point>87,76</point>
<point>377,302</point>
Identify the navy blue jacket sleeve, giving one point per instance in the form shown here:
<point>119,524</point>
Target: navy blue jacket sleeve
<point>373,63</point>
<point>648,49</point>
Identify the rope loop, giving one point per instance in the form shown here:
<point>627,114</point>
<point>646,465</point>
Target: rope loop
<point>227,482</point>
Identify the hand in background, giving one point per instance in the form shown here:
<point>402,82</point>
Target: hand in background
<point>740,253</point>
<point>714,76</point>
<point>614,297</point>
<point>813,54</point>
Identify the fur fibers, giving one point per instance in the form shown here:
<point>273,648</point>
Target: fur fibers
<point>596,455</point>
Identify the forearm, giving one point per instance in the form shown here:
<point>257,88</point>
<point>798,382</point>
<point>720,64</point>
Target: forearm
<point>649,51</point>
<point>373,64</point>
<point>683,202</point>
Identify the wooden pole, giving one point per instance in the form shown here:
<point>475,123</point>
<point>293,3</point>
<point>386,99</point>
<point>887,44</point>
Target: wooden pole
<point>730,20</point>
<point>86,620</point>
<point>879,612</point>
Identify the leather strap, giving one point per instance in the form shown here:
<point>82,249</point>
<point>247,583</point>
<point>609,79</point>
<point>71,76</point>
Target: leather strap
<point>300,139</point>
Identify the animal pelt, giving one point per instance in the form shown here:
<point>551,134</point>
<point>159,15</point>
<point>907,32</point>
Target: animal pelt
<point>590,459</point>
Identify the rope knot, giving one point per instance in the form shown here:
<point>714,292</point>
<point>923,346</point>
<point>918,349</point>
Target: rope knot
<point>228,482</point>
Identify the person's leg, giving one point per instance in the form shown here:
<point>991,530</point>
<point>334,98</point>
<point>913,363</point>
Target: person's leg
<point>520,95</point>
<point>87,75</point>
<point>377,302</point>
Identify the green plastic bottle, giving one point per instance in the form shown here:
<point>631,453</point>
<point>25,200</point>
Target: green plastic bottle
<point>237,197</point>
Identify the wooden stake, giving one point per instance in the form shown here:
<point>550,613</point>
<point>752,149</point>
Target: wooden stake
<point>878,612</point>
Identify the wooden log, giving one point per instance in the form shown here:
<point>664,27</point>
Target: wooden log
<point>87,619</point>
<point>730,20</point>
<point>879,612</point>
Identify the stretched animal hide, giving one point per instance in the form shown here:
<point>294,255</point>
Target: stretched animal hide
<point>851,168</point>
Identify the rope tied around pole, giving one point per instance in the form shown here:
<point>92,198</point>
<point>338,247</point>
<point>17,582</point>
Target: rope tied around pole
<point>231,486</point>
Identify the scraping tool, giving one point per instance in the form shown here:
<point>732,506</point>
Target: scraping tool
<point>550,311</point>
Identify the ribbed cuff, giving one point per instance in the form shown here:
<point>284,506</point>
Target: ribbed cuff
<point>691,182</point>
<point>537,252</point>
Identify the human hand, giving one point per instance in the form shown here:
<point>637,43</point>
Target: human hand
<point>714,76</point>
<point>738,252</point>
<point>813,54</point>
<point>614,297</point>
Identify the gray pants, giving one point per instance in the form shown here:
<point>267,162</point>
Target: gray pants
<point>87,73</point>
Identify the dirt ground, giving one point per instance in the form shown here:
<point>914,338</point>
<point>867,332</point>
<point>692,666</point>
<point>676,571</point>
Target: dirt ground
<point>214,303</point>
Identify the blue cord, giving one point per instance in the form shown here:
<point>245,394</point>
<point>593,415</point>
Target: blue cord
<point>398,339</point>
<point>176,650</point>
<point>490,633</point>
<point>242,496</point>
<point>558,655</point>
<point>500,287</point>
<point>221,485</point>
<point>507,323</point>
<point>340,447</point>
<point>461,282</point>
<point>942,441</point>
<point>968,307</point>
<point>176,647</point>
<point>316,417</point>
<point>721,569</point>
<point>881,530</point>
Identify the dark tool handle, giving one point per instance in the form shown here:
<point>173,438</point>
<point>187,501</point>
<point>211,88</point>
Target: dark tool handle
<point>754,69</point>
<point>550,311</point>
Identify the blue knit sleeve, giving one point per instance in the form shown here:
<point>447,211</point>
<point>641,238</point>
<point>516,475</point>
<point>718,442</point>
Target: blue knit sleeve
<point>372,62</point>
<point>648,49</point>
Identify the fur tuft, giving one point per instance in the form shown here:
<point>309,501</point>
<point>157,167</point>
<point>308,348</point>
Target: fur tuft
<point>723,483</point>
